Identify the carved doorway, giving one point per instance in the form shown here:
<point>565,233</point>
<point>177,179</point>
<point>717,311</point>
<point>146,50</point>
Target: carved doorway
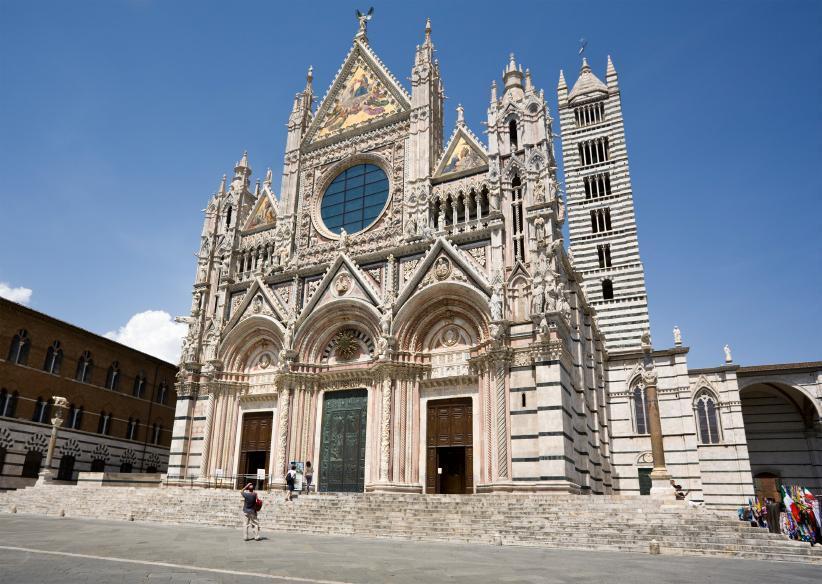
<point>255,445</point>
<point>450,447</point>
<point>342,443</point>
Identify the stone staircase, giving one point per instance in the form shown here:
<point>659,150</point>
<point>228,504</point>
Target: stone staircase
<point>616,523</point>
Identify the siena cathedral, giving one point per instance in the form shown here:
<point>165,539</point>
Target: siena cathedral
<point>406,315</point>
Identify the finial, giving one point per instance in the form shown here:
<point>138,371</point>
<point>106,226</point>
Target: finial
<point>363,21</point>
<point>221,190</point>
<point>493,91</point>
<point>244,159</point>
<point>512,64</point>
<point>528,84</point>
<point>561,84</point>
<point>585,67</point>
<point>257,188</point>
<point>460,115</point>
<point>427,30</point>
<point>269,177</point>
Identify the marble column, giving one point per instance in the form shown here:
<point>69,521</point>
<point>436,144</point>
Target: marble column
<point>660,478</point>
<point>283,402</point>
<point>385,429</point>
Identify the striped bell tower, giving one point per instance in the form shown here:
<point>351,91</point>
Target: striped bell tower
<point>601,221</point>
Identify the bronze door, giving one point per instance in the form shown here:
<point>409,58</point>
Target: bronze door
<point>255,442</point>
<point>342,441</point>
<point>450,447</point>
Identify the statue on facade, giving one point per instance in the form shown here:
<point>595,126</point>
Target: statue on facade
<point>539,192</point>
<point>495,303</point>
<point>385,319</point>
<point>677,336</point>
<point>539,229</point>
<point>728,357</point>
<point>288,336</point>
<point>538,297</point>
<point>363,21</point>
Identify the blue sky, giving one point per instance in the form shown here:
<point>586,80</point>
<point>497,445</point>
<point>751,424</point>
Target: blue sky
<point>118,118</point>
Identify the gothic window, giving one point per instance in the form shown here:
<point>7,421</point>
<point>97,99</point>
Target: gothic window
<point>707,418</point>
<point>75,417</point>
<point>607,289</point>
<point>32,463</point>
<point>66,469</point>
<point>104,425</point>
<point>54,358</point>
<point>589,114</point>
<point>512,135</point>
<point>98,465</point>
<point>131,428</point>
<point>597,185</point>
<point>113,376</point>
<point>484,202</point>
<point>354,199</point>
<point>19,349</point>
<point>228,217</point>
<point>600,220</point>
<point>42,410</point>
<point>604,255</point>
<point>517,220</point>
<point>156,431</point>
<point>523,399</point>
<point>640,409</point>
<point>593,151</point>
<point>85,364</point>
<point>162,391</point>
<point>139,384</point>
<point>8,403</point>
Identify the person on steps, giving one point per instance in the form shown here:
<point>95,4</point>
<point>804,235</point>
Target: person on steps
<point>308,475</point>
<point>290,480</point>
<point>250,507</point>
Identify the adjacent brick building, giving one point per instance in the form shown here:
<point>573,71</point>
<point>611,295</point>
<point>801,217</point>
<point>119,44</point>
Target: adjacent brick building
<point>121,400</point>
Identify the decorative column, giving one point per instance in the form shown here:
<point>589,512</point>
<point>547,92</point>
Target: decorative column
<point>206,447</point>
<point>283,402</point>
<point>46,474</point>
<point>660,478</point>
<point>385,429</point>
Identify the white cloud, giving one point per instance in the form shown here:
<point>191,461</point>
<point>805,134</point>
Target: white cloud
<point>153,332</point>
<point>20,295</point>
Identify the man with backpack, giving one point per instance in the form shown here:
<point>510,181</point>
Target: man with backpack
<point>290,480</point>
<point>251,504</point>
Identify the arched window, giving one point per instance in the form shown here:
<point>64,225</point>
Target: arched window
<point>85,364</point>
<point>228,217</point>
<point>32,463</point>
<point>131,429</point>
<point>75,417</point>
<point>707,418</point>
<point>139,384</point>
<point>640,409</point>
<point>98,465</point>
<point>42,410</point>
<point>54,358</point>
<point>66,470</point>
<point>113,376</point>
<point>19,349</point>
<point>8,403</point>
<point>162,390</point>
<point>512,135</point>
<point>156,431</point>
<point>104,425</point>
<point>607,289</point>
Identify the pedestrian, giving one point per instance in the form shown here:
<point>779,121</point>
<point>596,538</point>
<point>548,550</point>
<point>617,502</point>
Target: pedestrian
<point>308,475</point>
<point>290,480</point>
<point>772,508</point>
<point>251,504</point>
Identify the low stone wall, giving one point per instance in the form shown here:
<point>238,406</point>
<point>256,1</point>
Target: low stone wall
<point>120,479</point>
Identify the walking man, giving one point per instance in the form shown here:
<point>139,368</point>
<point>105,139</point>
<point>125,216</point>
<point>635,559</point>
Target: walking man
<point>251,505</point>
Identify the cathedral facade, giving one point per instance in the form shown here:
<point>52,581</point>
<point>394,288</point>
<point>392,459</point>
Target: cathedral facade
<point>405,313</point>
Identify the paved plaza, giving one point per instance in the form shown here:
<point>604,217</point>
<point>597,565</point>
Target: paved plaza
<point>45,550</point>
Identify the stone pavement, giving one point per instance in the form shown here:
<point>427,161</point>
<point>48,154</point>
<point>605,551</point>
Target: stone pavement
<point>78,550</point>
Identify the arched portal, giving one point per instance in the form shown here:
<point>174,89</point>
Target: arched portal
<point>784,436</point>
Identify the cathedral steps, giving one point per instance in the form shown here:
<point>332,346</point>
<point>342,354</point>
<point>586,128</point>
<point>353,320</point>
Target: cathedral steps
<point>544,520</point>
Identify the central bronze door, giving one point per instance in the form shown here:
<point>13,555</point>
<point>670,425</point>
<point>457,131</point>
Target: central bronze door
<point>255,444</point>
<point>450,447</point>
<point>342,443</point>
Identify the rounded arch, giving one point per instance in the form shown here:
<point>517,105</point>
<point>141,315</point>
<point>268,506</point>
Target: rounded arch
<point>247,338</point>
<point>318,329</point>
<point>792,392</point>
<point>420,314</point>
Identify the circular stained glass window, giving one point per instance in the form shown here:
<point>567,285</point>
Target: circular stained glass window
<point>354,199</point>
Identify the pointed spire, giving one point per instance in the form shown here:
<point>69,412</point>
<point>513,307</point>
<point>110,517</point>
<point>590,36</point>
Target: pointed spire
<point>242,171</point>
<point>460,115</point>
<point>585,67</point>
<point>244,160</point>
<point>257,188</point>
<point>512,63</point>
<point>528,84</point>
<point>309,78</point>
<point>561,84</point>
<point>493,91</point>
<point>512,75</point>
<point>588,83</point>
<point>221,189</point>
<point>427,31</point>
<point>611,74</point>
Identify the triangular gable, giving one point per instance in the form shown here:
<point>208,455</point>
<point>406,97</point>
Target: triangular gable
<point>463,155</point>
<point>268,305</point>
<point>363,92</point>
<point>263,215</point>
<point>519,271</point>
<point>357,285</point>
<point>443,248</point>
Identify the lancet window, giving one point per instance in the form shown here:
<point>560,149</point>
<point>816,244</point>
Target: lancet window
<point>593,151</point>
<point>517,221</point>
<point>707,418</point>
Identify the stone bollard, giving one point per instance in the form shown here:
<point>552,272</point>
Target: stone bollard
<point>653,548</point>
